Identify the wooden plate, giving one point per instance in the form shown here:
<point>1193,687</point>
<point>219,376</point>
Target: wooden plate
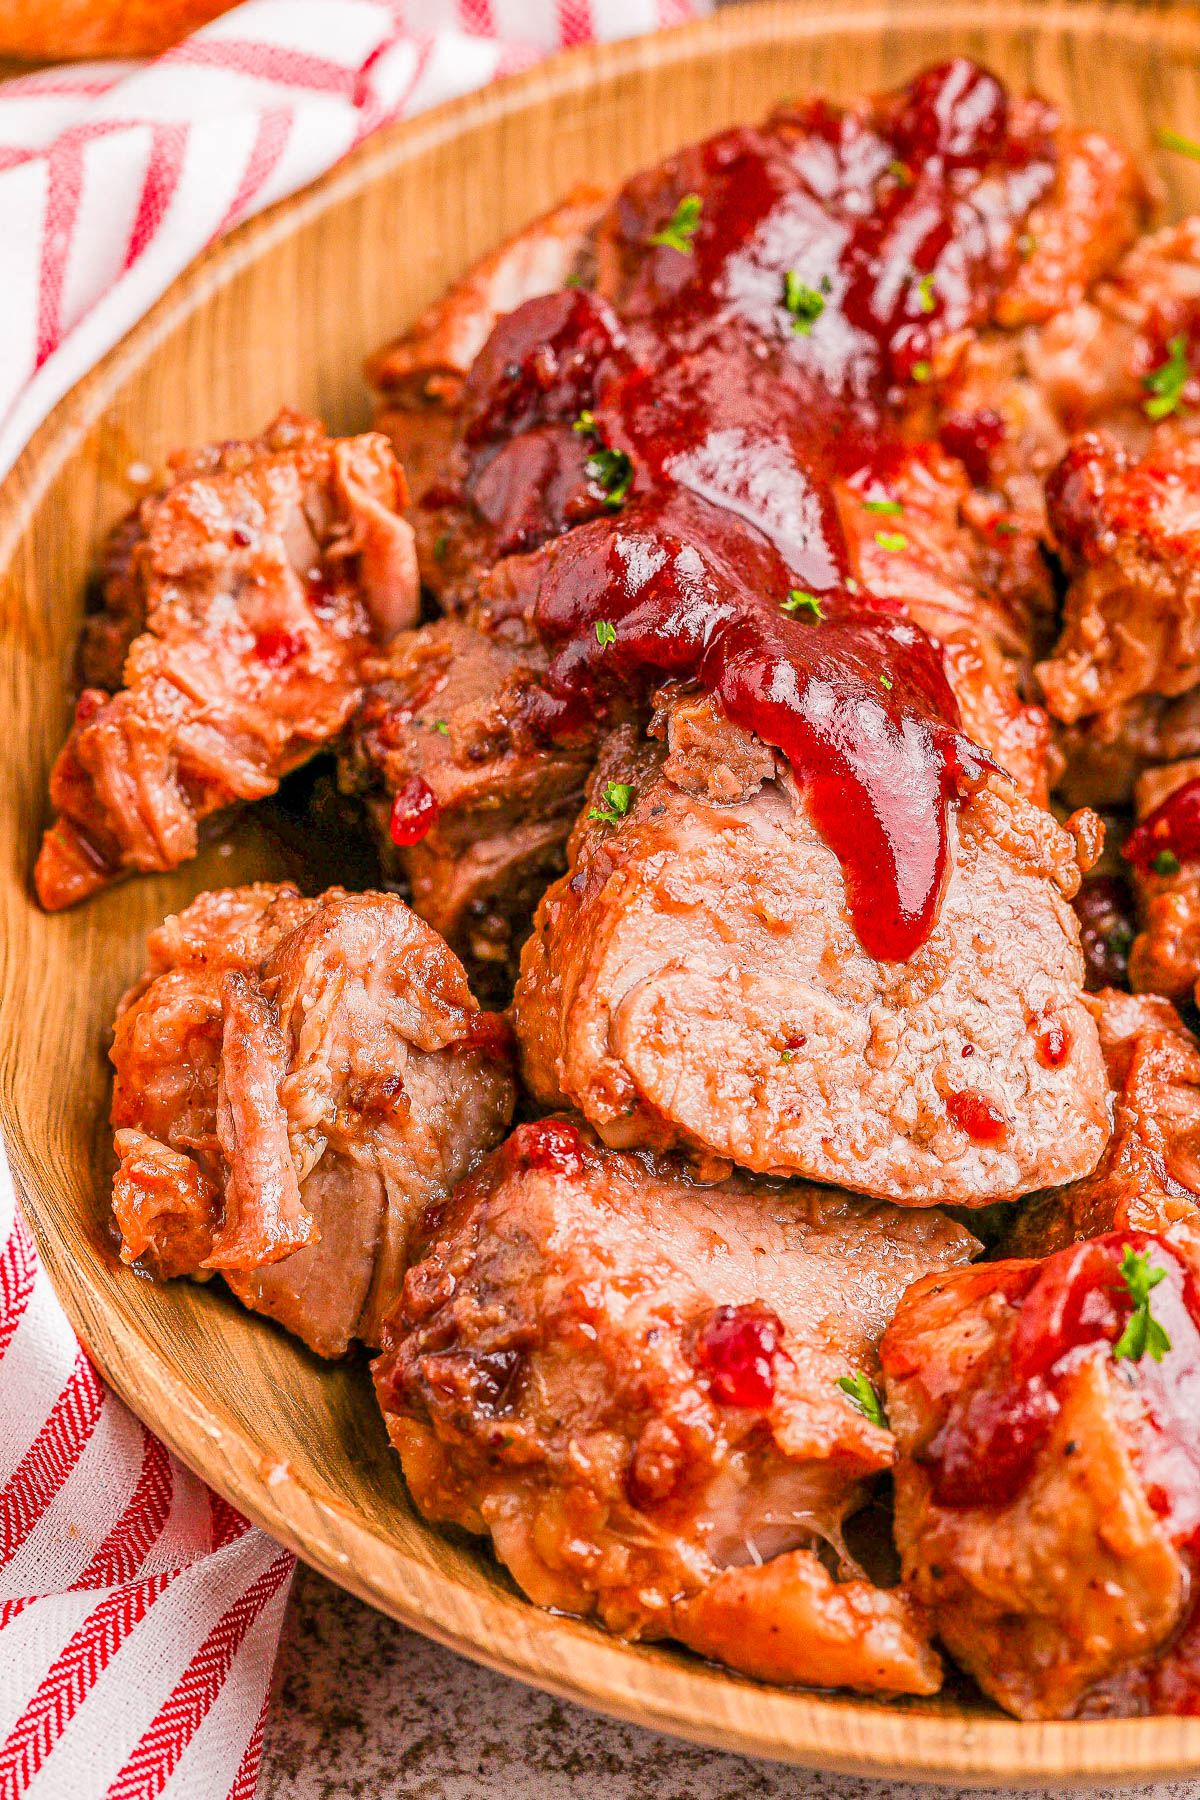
<point>285,309</point>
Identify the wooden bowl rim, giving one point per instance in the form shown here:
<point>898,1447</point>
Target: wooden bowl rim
<point>689,1699</point>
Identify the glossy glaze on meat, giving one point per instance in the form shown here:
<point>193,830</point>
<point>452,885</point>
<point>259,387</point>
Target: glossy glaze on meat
<point>253,587</point>
<point>295,1081</point>
<point>630,1382</point>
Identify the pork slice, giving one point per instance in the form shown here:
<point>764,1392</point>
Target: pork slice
<point>441,726</point>
<point>296,1081</point>
<point>1048,1484</point>
<point>1149,1174</point>
<point>264,573</point>
<point>695,980</point>
<point>1129,532</point>
<point>631,1383</point>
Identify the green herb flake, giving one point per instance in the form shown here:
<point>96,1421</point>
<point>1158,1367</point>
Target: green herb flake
<point>921,371</point>
<point>585,424</point>
<point>804,303</point>
<point>891,540</point>
<point>441,544</point>
<point>573,281</point>
<point>605,633</point>
<point>617,797</point>
<point>925,299</point>
<point>441,725</point>
<point>1165,384</point>
<point>862,1393</point>
<point>1175,140</point>
<point>1165,863</point>
<point>1143,1335</point>
<point>886,682</point>
<point>851,585</point>
<point>785,1056</point>
<point>681,227</point>
<point>901,173</point>
<point>884,506</point>
<point>612,471</point>
<point>800,600</point>
<point>1027,243</point>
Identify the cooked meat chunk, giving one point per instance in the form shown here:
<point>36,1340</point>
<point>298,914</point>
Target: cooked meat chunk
<point>263,574</point>
<point>440,735</point>
<point>695,980</point>
<point>1149,1175</point>
<point>296,1080</point>
<point>1048,1488</point>
<point>1105,753</point>
<point>967,587</point>
<point>1129,533</point>
<point>631,1382</point>
<point>1162,853</point>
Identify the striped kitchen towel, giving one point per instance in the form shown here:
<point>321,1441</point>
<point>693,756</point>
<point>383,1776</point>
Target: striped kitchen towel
<point>139,1615</point>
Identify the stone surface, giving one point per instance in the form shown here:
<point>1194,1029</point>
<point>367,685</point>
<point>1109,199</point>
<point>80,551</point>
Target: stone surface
<point>364,1710</point>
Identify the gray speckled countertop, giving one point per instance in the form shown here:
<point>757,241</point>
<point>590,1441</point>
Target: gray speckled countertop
<point>365,1710</point>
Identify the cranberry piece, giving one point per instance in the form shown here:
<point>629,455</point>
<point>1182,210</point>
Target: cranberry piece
<point>89,704</point>
<point>737,1347</point>
<point>242,536</point>
<point>276,649</point>
<point>979,1117</point>
<point>970,437</point>
<point>414,812</point>
<point>550,1144</point>
<point>1104,908</point>
<point>1174,826</point>
<point>1054,1045</point>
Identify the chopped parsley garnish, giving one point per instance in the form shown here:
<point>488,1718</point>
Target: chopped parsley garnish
<point>891,540</point>
<point>886,681</point>
<point>851,585</point>
<point>617,796</point>
<point>1175,140</point>
<point>681,227</point>
<point>884,506</point>
<point>925,299</point>
<point>609,469</point>
<point>901,172</point>
<point>605,633</point>
<point>862,1393</point>
<point>441,725</point>
<point>1165,863</point>
<point>1165,384</point>
<point>921,371</point>
<point>573,281</point>
<point>800,600</point>
<point>441,544</point>
<point>804,303</point>
<point>1027,243</point>
<point>1143,1335</point>
<point>785,1055</point>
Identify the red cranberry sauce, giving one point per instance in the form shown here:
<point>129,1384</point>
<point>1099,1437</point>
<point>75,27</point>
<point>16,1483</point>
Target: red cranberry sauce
<point>414,812</point>
<point>979,1117</point>
<point>720,395</point>
<point>1173,827</point>
<point>985,1450</point>
<point>551,1144</point>
<point>736,1347</point>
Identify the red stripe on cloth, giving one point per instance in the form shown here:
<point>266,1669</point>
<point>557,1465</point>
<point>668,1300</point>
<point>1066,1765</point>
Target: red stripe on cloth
<point>64,167</point>
<point>575,22</point>
<point>140,1526</point>
<point>18,1269</point>
<point>246,1779</point>
<point>266,62</point>
<point>274,130</point>
<point>157,1755</point>
<point>11,158</point>
<point>371,114</point>
<point>10,1608</point>
<point>225,1524</point>
<point>476,17</point>
<point>51,1457</point>
<point>70,1679</point>
<point>168,145</point>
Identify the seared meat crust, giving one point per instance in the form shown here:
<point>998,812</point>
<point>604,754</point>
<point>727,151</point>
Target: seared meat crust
<point>261,576</point>
<point>295,1080</point>
<point>578,1366</point>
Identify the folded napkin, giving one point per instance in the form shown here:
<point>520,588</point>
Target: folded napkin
<point>139,1614</point>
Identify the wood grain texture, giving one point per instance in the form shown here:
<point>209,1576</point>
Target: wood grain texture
<point>285,309</point>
